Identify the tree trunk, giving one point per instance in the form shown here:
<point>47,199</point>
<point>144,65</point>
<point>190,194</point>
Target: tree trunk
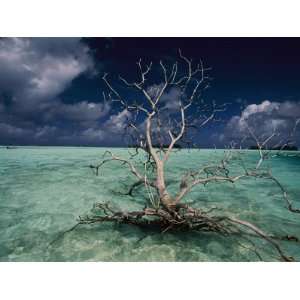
<point>164,196</point>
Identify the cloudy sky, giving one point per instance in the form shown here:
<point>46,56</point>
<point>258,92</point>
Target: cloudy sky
<point>51,88</point>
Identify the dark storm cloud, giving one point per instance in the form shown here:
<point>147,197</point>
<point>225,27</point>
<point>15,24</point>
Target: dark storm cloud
<point>35,70</point>
<point>83,111</point>
<point>51,88</point>
<point>34,73</point>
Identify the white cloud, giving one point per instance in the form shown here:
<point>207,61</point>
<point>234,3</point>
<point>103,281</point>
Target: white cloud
<point>170,99</point>
<point>263,119</point>
<point>116,123</point>
<point>265,107</point>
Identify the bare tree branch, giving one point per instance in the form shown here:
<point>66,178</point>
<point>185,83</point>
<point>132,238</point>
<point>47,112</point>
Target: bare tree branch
<point>162,119</point>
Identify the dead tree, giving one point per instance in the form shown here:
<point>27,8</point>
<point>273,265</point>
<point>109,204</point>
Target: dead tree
<point>164,119</point>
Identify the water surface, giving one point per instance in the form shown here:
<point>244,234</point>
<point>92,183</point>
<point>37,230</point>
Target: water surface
<point>44,189</point>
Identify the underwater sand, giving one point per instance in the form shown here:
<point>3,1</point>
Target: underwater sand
<point>44,189</point>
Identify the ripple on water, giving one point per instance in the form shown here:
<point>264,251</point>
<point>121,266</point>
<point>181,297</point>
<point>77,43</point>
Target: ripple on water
<point>44,189</point>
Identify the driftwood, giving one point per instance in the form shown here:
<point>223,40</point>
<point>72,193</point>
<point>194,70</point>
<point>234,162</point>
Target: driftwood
<point>154,131</point>
<point>183,218</point>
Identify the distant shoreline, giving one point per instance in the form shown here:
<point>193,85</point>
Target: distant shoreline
<point>285,148</point>
<point>14,147</point>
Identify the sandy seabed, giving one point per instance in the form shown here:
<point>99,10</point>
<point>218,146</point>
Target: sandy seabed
<point>44,189</point>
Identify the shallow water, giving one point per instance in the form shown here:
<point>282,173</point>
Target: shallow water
<point>44,189</point>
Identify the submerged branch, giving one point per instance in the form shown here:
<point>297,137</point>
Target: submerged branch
<point>183,218</point>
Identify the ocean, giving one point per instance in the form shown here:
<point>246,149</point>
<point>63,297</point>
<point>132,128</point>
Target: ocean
<point>43,190</point>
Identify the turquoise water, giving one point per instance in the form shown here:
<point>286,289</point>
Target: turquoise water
<point>44,189</point>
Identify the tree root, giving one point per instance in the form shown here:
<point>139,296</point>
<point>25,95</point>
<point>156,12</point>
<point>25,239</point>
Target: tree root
<point>263,235</point>
<point>61,235</point>
<point>184,218</point>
